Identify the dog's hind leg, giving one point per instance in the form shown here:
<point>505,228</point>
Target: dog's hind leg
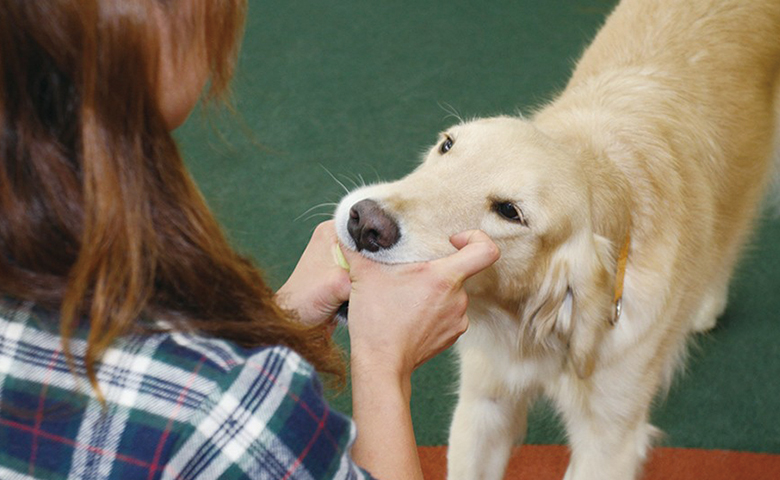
<point>488,421</point>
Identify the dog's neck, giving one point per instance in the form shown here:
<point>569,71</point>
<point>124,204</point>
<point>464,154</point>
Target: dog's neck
<point>611,199</point>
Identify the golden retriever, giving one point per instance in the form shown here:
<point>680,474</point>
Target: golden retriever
<point>620,209</point>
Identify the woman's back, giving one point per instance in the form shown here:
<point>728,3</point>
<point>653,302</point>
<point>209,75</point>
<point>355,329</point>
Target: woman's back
<point>177,406</point>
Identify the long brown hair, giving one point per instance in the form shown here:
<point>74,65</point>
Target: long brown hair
<point>98,216</point>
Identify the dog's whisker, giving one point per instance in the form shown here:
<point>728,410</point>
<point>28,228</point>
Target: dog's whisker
<point>319,214</point>
<point>376,174</point>
<point>335,179</point>
<point>451,111</point>
<point>348,178</point>
<point>358,180</point>
<point>320,205</point>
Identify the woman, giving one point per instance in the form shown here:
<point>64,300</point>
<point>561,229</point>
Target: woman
<point>134,342</point>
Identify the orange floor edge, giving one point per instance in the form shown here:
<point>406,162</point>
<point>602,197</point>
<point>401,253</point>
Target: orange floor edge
<point>548,462</point>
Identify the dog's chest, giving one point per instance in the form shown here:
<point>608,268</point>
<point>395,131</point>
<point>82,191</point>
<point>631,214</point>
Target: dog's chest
<point>496,338</point>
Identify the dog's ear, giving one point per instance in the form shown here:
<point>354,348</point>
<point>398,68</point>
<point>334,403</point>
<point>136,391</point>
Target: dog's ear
<point>592,284</point>
<point>574,301</point>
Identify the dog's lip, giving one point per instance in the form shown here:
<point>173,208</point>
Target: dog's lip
<point>386,256</point>
<point>374,256</point>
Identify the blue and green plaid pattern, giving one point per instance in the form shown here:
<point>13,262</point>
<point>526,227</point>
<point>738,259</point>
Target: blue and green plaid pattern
<point>178,406</point>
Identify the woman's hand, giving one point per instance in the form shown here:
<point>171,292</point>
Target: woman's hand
<point>400,316</point>
<point>318,285</point>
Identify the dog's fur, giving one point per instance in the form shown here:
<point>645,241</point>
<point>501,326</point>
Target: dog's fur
<point>664,137</point>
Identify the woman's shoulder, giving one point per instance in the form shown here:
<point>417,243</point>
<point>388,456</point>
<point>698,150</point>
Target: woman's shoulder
<point>218,358</point>
<point>271,376</point>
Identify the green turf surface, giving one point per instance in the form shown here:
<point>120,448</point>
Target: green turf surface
<point>355,90</point>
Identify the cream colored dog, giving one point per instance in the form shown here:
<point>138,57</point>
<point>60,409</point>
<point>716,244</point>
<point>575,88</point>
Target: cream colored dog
<point>620,210</point>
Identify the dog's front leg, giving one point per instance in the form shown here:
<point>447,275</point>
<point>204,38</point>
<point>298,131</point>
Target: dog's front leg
<point>609,452</point>
<point>608,430</point>
<point>488,421</point>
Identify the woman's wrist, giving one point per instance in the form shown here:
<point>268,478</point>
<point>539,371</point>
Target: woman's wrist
<point>375,371</point>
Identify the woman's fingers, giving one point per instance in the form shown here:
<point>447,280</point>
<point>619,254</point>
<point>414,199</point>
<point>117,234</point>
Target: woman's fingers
<point>476,252</point>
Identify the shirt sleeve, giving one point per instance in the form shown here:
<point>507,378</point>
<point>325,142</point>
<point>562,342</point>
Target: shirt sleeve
<point>269,420</point>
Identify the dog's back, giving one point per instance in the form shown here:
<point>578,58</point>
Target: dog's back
<point>722,59</point>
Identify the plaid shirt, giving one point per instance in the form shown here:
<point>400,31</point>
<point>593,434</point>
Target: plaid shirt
<point>178,406</point>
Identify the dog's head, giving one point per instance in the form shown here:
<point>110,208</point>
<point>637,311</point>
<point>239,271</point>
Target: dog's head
<point>504,177</point>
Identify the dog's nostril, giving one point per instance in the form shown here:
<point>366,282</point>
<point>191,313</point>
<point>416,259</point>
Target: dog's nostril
<point>371,237</point>
<point>371,227</point>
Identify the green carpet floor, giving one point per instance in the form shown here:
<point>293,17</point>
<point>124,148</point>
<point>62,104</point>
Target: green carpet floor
<point>353,91</point>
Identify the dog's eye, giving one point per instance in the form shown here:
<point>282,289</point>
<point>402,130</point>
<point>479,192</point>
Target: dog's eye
<point>510,211</point>
<point>446,145</point>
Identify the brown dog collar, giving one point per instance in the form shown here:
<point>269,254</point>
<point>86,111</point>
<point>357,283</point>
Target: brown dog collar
<point>617,300</point>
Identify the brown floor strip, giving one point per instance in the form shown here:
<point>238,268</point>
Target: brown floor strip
<point>548,462</point>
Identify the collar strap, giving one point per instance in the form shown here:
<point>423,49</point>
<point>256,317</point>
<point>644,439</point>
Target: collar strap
<point>619,278</point>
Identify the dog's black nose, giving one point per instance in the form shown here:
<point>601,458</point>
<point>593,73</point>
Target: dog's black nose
<point>370,227</point>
